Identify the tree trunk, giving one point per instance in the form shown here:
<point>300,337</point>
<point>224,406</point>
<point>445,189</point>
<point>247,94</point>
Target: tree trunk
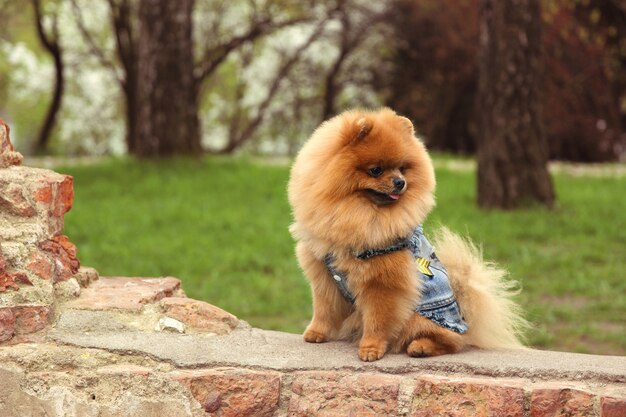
<point>51,43</point>
<point>512,150</point>
<point>331,89</point>
<point>130,87</point>
<point>123,17</point>
<point>167,103</point>
<point>45,133</point>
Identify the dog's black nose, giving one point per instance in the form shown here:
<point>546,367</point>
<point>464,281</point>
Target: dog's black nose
<point>398,183</point>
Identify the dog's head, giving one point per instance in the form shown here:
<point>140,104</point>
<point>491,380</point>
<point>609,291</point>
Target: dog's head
<point>381,149</point>
<point>363,169</point>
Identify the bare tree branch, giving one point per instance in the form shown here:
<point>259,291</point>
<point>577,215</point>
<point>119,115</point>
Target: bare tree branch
<point>213,57</point>
<point>94,49</point>
<point>244,135</point>
<point>122,15</point>
<point>240,90</point>
<point>122,22</point>
<point>350,39</point>
<point>123,18</point>
<point>49,43</point>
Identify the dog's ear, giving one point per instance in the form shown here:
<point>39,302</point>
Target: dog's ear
<point>406,124</point>
<point>362,127</point>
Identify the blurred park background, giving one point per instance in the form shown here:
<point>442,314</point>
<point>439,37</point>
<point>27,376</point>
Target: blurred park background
<point>178,120</point>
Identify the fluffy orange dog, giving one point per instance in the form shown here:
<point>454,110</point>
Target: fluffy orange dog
<point>360,189</point>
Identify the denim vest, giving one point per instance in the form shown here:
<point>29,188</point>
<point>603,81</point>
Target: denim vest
<point>437,302</point>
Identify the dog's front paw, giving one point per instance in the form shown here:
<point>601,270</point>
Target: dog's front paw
<point>313,336</point>
<point>370,351</point>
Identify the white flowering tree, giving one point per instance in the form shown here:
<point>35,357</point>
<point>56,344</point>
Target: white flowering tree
<point>273,94</point>
<point>261,72</point>
<point>89,121</point>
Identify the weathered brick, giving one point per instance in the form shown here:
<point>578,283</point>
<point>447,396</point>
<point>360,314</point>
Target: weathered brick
<point>199,315</point>
<point>7,324</point>
<point>437,396</point>
<point>86,275</point>
<point>8,156</point>
<point>13,201</point>
<point>30,319</point>
<point>64,196</point>
<point>57,192</point>
<point>329,393</point>
<point>53,194</point>
<point>555,400</point>
<point>11,280</point>
<point>41,265</point>
<point>124,293</point>
<point>43,194</point>
<point>233,392</point>
<point>3,262</point>
<point>64,254</point>
<point>5,142</point>
<point>613,407</point>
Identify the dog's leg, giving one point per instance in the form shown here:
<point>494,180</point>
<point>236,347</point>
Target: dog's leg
<point>425,338</point>
<point>386,297</point>
<point>329,307</point>
<point>384,312</point>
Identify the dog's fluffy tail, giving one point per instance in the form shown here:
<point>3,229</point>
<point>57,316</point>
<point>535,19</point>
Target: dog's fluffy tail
<point>484,295</point>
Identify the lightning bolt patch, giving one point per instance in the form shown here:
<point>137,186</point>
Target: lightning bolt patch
<point>423,266</point>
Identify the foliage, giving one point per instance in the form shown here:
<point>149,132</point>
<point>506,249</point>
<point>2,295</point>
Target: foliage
<point>261,81</point>
<point>89,122</point>
<point>435,75</point>
<point>29,79</point>
<point>250,91</point>
<point>418,56</point>
<point>221,226</point>
<point>582,102</point>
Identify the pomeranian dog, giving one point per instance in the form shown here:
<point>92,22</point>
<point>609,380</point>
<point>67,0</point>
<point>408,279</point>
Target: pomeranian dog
<point>360,189</point>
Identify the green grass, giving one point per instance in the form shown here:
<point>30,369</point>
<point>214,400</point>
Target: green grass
<point>220,225</point>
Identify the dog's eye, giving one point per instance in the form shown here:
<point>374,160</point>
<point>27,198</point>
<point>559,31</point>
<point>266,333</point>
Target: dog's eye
<point>375,171</point>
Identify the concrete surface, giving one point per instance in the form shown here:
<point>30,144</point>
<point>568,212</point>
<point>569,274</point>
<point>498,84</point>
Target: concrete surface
<point>250,347</point>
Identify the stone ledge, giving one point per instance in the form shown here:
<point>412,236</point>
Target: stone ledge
<point>104,357</point>
<point>258,348</point>
<point>47,379</point>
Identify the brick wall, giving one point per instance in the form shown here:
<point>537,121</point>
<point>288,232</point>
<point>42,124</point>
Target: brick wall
<point>35,257</point>
<point>244,392</point>
<point>116,384</point>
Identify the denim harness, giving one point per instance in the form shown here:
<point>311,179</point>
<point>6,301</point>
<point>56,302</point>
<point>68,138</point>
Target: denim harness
<point>437,302</point>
